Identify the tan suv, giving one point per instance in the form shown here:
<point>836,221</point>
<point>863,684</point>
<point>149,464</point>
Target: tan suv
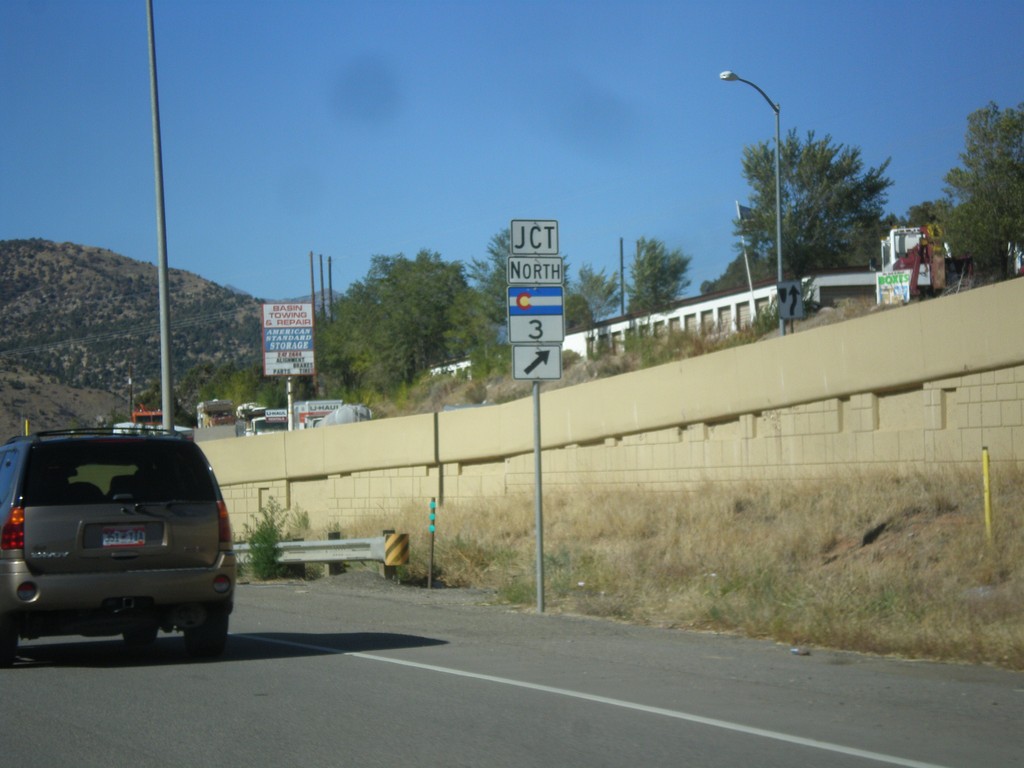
<point>112,534</point>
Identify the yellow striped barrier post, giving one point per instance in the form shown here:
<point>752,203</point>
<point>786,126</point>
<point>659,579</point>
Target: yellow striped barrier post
<point>396,552</point>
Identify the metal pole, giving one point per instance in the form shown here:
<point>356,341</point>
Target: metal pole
<point>776,108</point>
<point>433,529</point>
<point>291,405</point>
<point>323,290</point>
<point>778,210</point>
<point>312,283</point>
<point>988,494</point>
<point>166,395</point>
<point>622,281</point>
<point>538,504</point>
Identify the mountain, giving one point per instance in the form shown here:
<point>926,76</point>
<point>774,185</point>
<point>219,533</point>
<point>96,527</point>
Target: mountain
<point>80,318</point>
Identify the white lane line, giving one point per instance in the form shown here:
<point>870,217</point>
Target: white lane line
<point>713,722</point>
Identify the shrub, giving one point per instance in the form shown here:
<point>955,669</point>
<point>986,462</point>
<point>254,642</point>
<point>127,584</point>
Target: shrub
<point>264,540</point>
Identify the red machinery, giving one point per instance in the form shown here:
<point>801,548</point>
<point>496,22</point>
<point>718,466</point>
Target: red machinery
<point>913,268</point>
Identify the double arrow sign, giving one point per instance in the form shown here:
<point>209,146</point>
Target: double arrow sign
<point>536,320</point>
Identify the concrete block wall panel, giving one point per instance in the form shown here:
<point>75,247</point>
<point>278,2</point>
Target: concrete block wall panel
<point>930,382</point>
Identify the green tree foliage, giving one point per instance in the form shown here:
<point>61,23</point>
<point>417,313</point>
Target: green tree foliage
<point>480,319</point>
<point>593,296</point>
<point>396,322</point>
<point>489,278</point>
<point>237,383</point>
<point>831,206</point>
<point>658,276</point>
<point>988,190</point>
<point>930,213</point>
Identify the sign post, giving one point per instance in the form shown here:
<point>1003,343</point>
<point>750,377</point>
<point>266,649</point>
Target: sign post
<point>536,330</point>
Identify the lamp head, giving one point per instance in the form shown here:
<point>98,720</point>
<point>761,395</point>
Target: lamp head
<point>728,75</point>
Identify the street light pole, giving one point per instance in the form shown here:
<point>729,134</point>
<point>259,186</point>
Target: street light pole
<point>730,76</point>
<point>166,392</point>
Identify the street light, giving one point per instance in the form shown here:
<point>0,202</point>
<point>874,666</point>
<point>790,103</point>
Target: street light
<point>729,75</point>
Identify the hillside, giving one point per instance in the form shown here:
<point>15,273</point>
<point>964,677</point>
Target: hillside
<point>87,319</point>
<point>80,320</point>
<point>47,404</point>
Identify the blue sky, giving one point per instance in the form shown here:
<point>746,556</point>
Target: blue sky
<point>358,128</point>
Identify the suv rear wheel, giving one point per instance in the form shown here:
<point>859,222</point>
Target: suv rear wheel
<point>207,641</point>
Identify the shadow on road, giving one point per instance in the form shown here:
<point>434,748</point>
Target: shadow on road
<point>170,649</point>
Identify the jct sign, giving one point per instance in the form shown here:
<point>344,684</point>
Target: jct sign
<point>533,238</point>
<point>288,340</point>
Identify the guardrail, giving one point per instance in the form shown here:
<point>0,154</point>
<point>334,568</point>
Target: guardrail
<point>391,549</point>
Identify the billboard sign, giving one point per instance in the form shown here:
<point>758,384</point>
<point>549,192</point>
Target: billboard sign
<point>288,340</point>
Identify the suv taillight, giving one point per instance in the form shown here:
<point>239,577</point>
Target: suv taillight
<point>13,536</point>
<point>224,523</point>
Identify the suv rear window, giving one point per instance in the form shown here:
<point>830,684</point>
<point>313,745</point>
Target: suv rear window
<point>97,471</point>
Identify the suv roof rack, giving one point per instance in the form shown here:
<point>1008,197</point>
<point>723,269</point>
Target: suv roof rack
<point>99,432</point>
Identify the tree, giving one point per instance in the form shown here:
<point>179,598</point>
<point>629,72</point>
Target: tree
<point>593,296</point>
<point>988,191</point>
<point>489,276</point>
<point>930,213</point>
<point>658,276</point>
<point>831,206</point>
<point>394,323</point>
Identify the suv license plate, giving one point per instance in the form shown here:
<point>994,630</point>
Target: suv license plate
<point>124,536</point>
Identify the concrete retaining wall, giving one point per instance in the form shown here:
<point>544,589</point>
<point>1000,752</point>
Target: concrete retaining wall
<point>929,383</point>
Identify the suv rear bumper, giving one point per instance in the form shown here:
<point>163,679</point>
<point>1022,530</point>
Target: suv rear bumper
<point>86,592</point>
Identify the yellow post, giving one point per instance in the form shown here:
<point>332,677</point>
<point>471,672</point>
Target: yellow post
<point>988,495</point>
<point>26,428</point>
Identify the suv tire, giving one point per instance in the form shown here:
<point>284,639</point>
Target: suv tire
<point>207,641</point>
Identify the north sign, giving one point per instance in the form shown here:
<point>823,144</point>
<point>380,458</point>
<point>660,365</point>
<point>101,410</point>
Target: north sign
<point>536,270</point>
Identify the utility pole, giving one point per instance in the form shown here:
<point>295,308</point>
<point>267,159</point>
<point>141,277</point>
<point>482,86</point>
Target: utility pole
<point>622,280</point>
<point>330,288</point>
<point>323,299</point>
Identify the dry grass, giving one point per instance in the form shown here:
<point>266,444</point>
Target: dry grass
<point>891,564</point>
<point>888,564</point>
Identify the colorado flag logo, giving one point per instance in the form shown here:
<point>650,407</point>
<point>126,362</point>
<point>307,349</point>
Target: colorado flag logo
<point>543,300</point>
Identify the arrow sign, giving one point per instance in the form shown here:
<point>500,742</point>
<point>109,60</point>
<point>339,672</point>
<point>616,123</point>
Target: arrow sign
<point>791,300</point>
<point>536,363</point>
